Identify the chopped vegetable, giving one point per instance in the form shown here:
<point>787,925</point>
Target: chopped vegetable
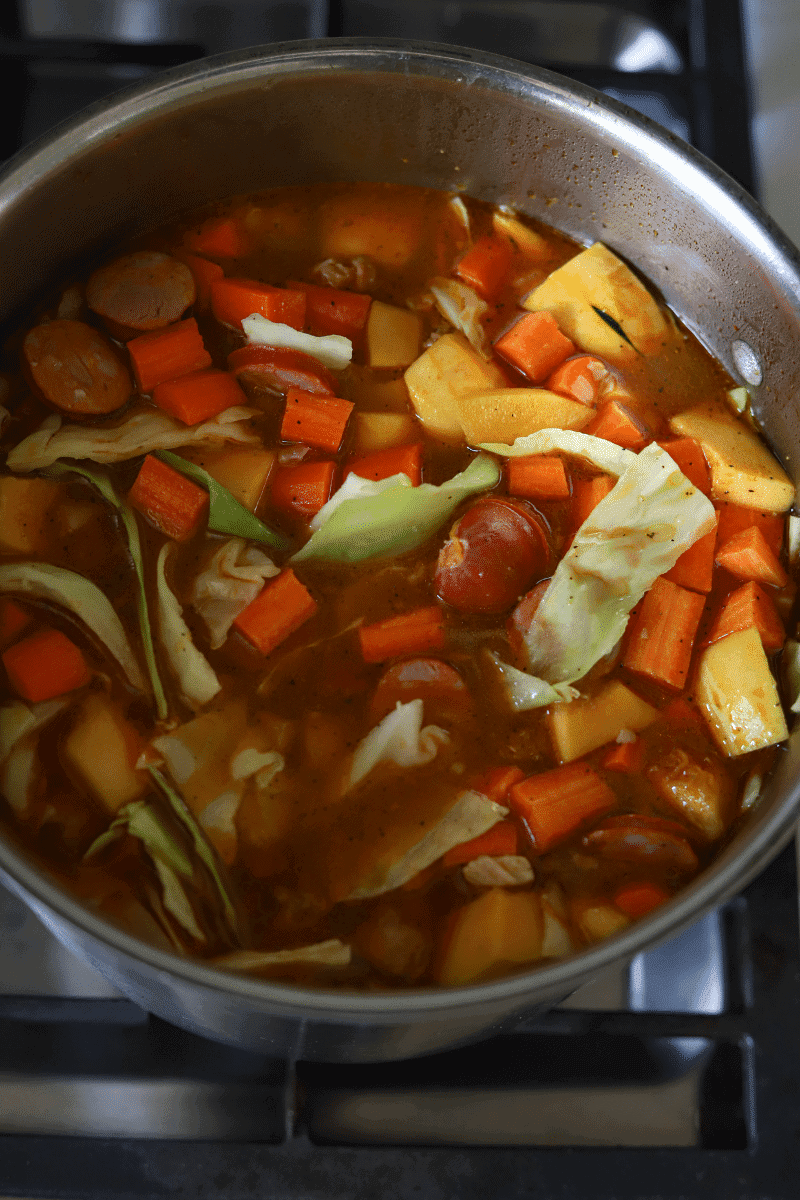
<point>695,567</point>
<point>44,665</point>
<point>233,300</point>
<point>165,354</point>
<point>746,607</point>
<point>554,804</point>
<point>463,308</point>
<point>331,953</point>
<point>329,310</point>
<point>394,519</point>
<point>315,420</point>
<point>539,477</point>
<point>618,423</point>
<point>638,899</point>
<point>304,489</point>
<point>578,728</point>
<point>417,632</point>
<point>393,335</point>
<point>395,460</point>
<point>525,692</point>
<point>613,460</point>
<point>199,395</point>
<point>332,351</point>
<point>501,839</point>
<point>580,378</point>
<point>398,738</point>
<point>443,374</point>
<point>504,414</point>
<point>663,632</point>
<point>196,679</point>
<point>231,580</point>
<point>279,609</point>
<point>748,556</point>
<point>535,345</point>
<point>498,931</point>
<point>220,237</point>
<point>738,696</point>
<point>176,506</point>
<point>101,750</point>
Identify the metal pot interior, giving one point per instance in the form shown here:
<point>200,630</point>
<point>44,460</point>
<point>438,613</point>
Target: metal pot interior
<point>454,120</point>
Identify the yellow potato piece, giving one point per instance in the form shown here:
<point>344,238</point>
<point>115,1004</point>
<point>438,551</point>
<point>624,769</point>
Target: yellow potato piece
<point>743,471</point>
<point>393,335</point>
<point>700,793</point>
<point>27,509</point>
<point>381,431</point>
<point>243,470</point>
<point>738,695</point>
<point>598,921</point>
<point>597,279</point>
<point>444,373</point>
<point>508,413</point>
<point>387,231</point>
<point>500,929</point>
<point>526,241</point>
<point>582,725</point>
<point>101,750</point>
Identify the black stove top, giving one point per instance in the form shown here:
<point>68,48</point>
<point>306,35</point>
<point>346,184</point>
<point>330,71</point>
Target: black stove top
<point>676,1078</point>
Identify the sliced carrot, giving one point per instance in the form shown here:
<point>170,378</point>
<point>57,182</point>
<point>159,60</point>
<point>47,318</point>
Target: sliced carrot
<point>234,299</point>
<point>13,620</point>
<point>534,345</point>
<point>315,420</point>
<point>167,353</point>
<point>638,899</point>
<point>625,757</point>
<point>445,695</point>
<point>277,370</point>
<point>394,460</point>
<point>277,612</point>
<point>417,632</point>
<point>45,665</point>
<point>750,605</point>
<point>302,489</point>
<point>695,567</point>
<point>682,715</point>
<point>538,477</point>
<point>498,782</point>
<point>332,310</point>
<point>734,517</point>
<point>170,501</point>
<point>199,395</point>
<point>499,840</point>
<point>580,379</point>
<point>586,495</point>
<point>618,423</point>
<point>688,456</point>
<point>554,804</point>
<point>663,633</point>
<point>747,555</point>
<point>205,272</point>
<point>220,237</point>
<point>486,264</point>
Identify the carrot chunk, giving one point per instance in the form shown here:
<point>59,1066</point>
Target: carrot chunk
<point>277,611</point>
<point>750,605</point>
<point>315,420</point>
<point>538,477</point>
<point>411,633</point>
<point>199,395</point>
<point>625,757</point>
<point>220,237</point>
<point>618,423</point>
<point>331,310</point>
<point>234,299</point>
<point>534,345</point>
<point>554,804</point>
<point>586,495</point>
<point>663,633</point>
<point>394,460</point>
<point>170,501</point>
<point>205,272</point>
<point>733,518</point>
<point>13,620</point>
<point>748,555</point>
<point>500,839</point>
<point>687,454</point>
<point>638,899</point>
<point>579,379</point>
<point>167,353</point>
<point>695,567</point>
<point>498,782</point>
<point>486,264</point>
<point>302,489</point>
<point>45,665</point>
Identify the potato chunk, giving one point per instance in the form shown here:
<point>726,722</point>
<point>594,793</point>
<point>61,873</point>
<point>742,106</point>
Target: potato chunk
<point>597,279</point>
<point>583,725</point>
<point>243,470</point>
<point>381,430</point>
<point>393,335</point>
<point>27,513</point>
<point>742,469</point>
<point>738,696</point>
<point>101,751</point>
<point>447,371</point>
<point>508,413</point>
<point>499,930</point>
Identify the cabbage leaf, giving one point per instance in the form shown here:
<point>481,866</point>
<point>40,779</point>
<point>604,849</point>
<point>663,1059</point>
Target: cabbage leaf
<point>230,581</point>
<point>604,455</point>
<point>197,680</point>
<point>463,308</point>
<point>332,350</point>
<point>525,692</point>
<point>636,533</point>
<point>397,519</point>
<point>332,953</point>
<point>400,739</point>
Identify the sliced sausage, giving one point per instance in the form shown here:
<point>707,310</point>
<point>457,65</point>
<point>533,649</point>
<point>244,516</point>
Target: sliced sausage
<point>494,553</point>
<point>444,694</point>
<point>275,369</point>
<point>76,369</point>
<point>643,840</point>
<point>141,291</point>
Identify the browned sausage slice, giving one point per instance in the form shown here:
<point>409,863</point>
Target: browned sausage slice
<point>75,368</point>
<point>141,291</point>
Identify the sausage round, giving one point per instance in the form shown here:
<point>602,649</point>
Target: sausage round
<point>493,555</point>
<point>145,290</point>
<point>74,368</point>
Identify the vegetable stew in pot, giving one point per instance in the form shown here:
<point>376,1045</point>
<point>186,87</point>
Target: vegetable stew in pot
<point>391,591</point>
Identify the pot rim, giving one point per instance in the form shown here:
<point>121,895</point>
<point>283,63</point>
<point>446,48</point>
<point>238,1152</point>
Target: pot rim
<point>109,119</point>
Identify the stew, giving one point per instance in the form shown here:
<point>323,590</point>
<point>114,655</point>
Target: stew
<point>391,591</point>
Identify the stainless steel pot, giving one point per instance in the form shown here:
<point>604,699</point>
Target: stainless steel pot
<point>449,119</point>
